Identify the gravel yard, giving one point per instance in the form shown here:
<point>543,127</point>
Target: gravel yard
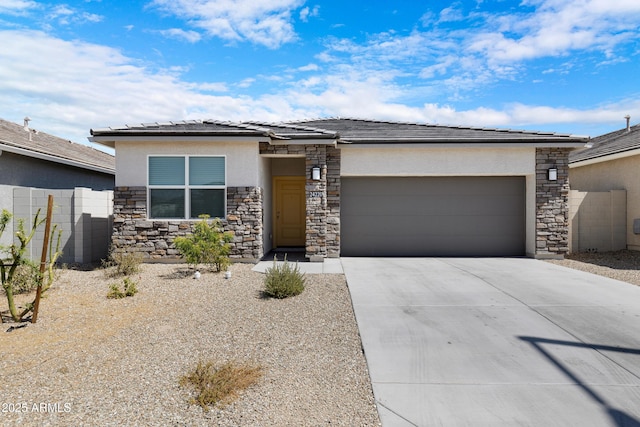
<point>92,361</point>
<point>620,265</point>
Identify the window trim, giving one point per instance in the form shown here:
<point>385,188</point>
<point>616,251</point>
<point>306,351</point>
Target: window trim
<point>185,187</point>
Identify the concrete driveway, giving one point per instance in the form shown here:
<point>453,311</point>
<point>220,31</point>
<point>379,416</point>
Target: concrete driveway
<point>492,341</point>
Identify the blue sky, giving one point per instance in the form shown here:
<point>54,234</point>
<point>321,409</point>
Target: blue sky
<point>569,66</point>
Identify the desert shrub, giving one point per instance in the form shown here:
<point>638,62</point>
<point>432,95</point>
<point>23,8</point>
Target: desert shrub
<point>123,263</point>
<point>16,269</point>
<point>208,244</point>
<point>25,278</point>
<point>220,385</point>
<point>129,289</point>
<point>283,280</point>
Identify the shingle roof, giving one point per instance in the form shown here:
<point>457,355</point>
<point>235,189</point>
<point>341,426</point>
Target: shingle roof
<point>340,129</point>
<point>216,128</point>
<point>43,145</point>
<point>359,130</point>
<point>615,142</point>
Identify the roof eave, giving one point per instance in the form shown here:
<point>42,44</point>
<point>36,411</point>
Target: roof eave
<point>110,140</point>
<point>572,142</point>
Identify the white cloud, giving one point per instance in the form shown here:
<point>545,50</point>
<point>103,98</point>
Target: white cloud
<point>451,14</point>
<point>65,15</point>
<point>558,27</point>
<point>68,87</point>
<point>522,116</point>
<point>245,83</point>
<point>211,87</point>
<point>309,67</point>
<point>180,34</point>
<point>461,57</point>
<point>264,22</point>
<point>306,13</point>
<point>16,6</point>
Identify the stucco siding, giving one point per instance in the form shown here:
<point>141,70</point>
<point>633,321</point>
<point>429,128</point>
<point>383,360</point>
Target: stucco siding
<point>367,160</point>
<point>428,161</point>
<point>243,160</point>
<point>619,174</point>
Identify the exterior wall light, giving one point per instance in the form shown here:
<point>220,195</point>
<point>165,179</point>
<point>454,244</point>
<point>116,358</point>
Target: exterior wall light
<point>553,174</point>
<point>315,173</point>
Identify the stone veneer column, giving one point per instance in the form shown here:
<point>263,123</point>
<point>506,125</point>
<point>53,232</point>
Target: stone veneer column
<point>322,197</point>
<point>333,202</point>
<point>133,232</point>
<point>244,219</point>
<point>552,203</point>
<point>316,242</point>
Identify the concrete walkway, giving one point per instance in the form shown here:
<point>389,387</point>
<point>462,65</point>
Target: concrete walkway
<point>497,342</point>
<point>329,266</point>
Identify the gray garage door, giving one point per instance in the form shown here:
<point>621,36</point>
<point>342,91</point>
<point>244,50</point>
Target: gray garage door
<point>434,216</point>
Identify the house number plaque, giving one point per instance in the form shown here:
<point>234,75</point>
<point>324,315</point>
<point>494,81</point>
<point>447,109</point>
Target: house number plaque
<point>315,193</point>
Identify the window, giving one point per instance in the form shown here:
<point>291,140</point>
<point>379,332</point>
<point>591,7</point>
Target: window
<point>187,186</point>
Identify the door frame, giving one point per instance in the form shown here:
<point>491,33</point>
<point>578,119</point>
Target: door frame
<point>274,204</point>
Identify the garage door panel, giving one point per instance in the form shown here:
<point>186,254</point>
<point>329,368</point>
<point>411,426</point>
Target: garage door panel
<point>434,216</point>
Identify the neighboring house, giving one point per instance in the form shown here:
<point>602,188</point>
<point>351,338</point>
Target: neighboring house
<point>30,158</point>
<point>605,192</point>
<point>34,164</point>
<point>343,187</point>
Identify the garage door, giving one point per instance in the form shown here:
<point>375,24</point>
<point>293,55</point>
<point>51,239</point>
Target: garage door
<point>434,216</point>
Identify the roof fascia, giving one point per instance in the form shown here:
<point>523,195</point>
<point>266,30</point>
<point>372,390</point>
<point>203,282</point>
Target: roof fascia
<point>305,141</point>
<point>48,157</point>
<point>110,140</point>
<point>605,158</point>
<point>469,144</point>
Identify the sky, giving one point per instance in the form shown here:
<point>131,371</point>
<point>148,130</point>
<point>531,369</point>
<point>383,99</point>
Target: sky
<point>567,66</point>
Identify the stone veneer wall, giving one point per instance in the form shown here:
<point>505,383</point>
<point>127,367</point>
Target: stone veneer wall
<point>323,212</point>
<point>134,232</point>
<point>333,202</point>
<point>552,203</point>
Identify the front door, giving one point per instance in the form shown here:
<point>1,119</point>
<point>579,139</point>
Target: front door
<point>290,211</point>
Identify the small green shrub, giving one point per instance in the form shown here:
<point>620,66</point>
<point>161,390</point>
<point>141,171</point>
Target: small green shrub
<point>284,280</point>
<point>208,244</point>
<point>220,385</point>
<point>129,289</point>
<point>123,263</point>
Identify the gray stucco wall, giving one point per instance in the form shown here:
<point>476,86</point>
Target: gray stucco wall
<point>82,215</point>
<point>29,172</point>
<point>6,202</point>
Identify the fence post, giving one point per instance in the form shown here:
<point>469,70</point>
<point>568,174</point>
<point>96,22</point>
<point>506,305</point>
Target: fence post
<point>43,259</point>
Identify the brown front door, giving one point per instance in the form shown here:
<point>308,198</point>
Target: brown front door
<point>290,211</point>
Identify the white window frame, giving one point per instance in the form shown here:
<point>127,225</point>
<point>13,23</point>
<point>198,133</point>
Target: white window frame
<point>186,187</point>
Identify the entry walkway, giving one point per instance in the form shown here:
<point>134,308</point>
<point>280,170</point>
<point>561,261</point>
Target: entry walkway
<point>329,266</point>
<point>497,342</point>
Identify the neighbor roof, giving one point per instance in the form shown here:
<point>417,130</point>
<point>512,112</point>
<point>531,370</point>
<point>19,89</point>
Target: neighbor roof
<point>342,130</point>
<point>29,142</point>
<point>617,142</point>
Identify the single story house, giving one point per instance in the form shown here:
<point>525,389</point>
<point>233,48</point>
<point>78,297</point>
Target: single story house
<point>605,192</point>
<point>343,187</point>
